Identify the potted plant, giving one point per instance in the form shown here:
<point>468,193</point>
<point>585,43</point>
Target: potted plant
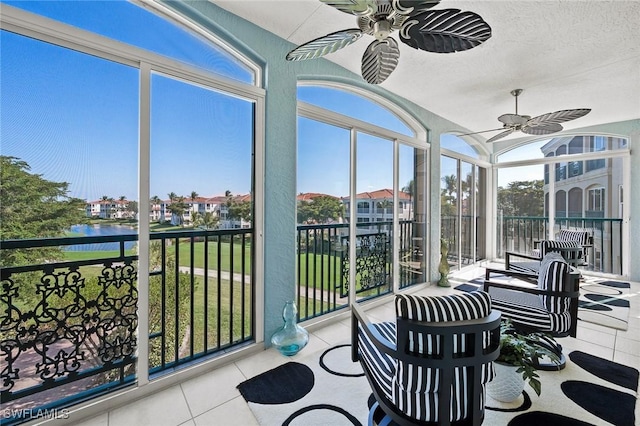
<point>519,355</point>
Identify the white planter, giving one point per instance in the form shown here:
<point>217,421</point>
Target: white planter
<point>507,385</point>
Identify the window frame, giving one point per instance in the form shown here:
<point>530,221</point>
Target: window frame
<point>50,31</point>
<point>355,126</point>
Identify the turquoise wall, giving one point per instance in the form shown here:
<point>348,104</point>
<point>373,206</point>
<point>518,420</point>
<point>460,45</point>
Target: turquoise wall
<point>280,82</point>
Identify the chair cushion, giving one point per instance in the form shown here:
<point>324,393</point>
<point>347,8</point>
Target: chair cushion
<point>552,276</point>
<point>579,236</point>
<point>550,246</point>
<point>453,307</point>
<point>522,308</point>
<point>416,389</point>
<point>382,366</point>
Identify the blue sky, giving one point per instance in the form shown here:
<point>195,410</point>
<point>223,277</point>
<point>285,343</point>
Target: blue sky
<point>74,117</point>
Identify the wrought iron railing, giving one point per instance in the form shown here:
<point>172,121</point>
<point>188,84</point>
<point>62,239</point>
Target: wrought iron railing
<point>323,263</point>
<point>461,250</point>
<point>519,234</point>
<point>71,324</point>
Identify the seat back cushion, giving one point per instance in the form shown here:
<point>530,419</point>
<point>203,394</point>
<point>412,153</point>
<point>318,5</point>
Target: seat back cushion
<point>552,246</point>
<point>579,236</point>
<point>415,388</point>
<point>554,276</point>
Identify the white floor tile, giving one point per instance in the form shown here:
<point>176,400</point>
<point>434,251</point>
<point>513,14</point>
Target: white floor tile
<point>598,337</point>
<point>234,412</point>
<point>212,389</point>
<point>627,346</point>
<point>167,407</point>
<point>334,334</point>
<point>260,362</point>
<point>101,420</point>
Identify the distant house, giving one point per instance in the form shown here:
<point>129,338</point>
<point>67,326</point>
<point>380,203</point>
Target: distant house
<point>216,205</point>
<point>377,206</point>
<point>109,209</point>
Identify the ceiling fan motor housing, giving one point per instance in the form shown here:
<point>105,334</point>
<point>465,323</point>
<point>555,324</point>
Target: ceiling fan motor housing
<point>381,29</point>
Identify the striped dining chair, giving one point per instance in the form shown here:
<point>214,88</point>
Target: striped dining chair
<point>431,365</point>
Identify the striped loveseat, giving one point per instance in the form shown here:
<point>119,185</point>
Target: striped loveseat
<point>430,367</point>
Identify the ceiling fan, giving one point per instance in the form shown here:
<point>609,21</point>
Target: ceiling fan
<point>544,124</point>
<point>439,31</point>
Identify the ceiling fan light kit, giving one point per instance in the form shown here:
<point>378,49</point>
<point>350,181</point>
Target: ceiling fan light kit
<point>437,31</point>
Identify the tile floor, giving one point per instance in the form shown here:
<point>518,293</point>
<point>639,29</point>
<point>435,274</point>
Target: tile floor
<point>194,403</point>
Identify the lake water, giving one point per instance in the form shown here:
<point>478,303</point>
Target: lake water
<point>98,230</point>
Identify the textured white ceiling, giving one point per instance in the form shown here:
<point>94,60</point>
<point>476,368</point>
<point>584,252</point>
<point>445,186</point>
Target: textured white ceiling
<point>564,53</point>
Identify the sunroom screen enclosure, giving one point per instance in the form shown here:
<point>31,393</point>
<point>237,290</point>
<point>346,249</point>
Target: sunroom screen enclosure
<point>361,204</point>
<point>165,187</point>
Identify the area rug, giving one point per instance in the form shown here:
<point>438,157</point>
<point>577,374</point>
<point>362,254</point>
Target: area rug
<point>588,391</point>
<point>601,301</point>
<point>604,302</point>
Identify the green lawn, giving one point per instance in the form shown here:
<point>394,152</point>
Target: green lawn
<point>222,325</point>
<point>225,258</point>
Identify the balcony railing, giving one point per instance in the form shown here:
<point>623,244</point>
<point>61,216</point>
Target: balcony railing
<point>450,225</point>
<point>519,234</point>
<point>68,327</point>
<point>323,263</point>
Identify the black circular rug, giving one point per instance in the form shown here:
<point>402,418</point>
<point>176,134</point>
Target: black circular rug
<point>537,418</point>
<point>283,384</point>
<point>609,404</point>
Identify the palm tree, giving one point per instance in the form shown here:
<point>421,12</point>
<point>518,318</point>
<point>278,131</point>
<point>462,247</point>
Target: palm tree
<point>410,189</point>
<point>193,197</point>
<point>208,220</point>
<point>172,196</point>
<point>177,207</point>
<point>383,205</point>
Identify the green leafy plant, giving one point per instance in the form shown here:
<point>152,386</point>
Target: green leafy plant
<point>524,351</point>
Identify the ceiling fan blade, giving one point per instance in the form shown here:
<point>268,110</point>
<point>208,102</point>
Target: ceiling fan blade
<point>482,131</point>
<point>406,7</point>
<point>501,135</point>
<point>542,129</point>
<point>444,31</point>
<point>324,45</point>
<point>379,60</point>
<point>558,117</point>
<point>513,119</point>
<point>354,7</point>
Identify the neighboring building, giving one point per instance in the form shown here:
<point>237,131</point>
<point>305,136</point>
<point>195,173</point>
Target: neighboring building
<point>159,212</point>
<point>109,209</point>
<point>590,190</point>
<point>377,206</point>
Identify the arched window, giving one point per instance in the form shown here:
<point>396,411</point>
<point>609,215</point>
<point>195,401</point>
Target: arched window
<point>149,29</point>
<point>587,187</point>
<point>136,117</point>
<point>353,144</point>
<point>458,145</point>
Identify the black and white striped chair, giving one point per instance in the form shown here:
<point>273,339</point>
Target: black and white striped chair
<point>572,244</point>
<point>550,305</point>
<point>572,252</point>
<point>430,367</point>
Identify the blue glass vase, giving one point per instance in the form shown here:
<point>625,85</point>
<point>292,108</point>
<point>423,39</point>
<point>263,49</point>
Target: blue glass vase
<point>290,338</point>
